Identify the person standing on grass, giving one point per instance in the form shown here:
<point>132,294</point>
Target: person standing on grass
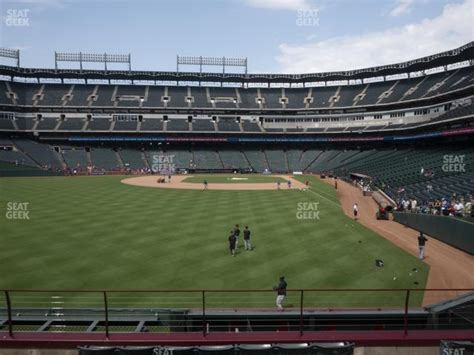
<point>232,241</point>
<point>355,210</point>
<point>421,246</point>
<point>281,292</point>
<point>237,234</point>
<point>248,246</point>
<point>205,184</point>
<point>278,184</point>
<point>289,184</point>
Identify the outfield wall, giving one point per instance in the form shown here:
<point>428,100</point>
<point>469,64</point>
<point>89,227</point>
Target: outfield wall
<point>12,170</point>
<point>451,230</point>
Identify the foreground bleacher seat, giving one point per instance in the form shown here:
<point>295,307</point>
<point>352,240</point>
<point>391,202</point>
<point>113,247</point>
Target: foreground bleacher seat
<point>176,124</point>
<point>125,126</point>
<point>207,159</point>
<point>71,124</point>
<point>99,124</point>
<point>228,125</point>
<point>336,348</point>
<point>104,159</point>
<point>249,126</point>
<point>203,125</point>
<point>41,153</point>
<point>152,125</point>
<point>75,158</point>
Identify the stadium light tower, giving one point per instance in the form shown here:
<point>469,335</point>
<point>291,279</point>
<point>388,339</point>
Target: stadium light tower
<point>12,54</point>
<point>92,58</point>
<point>212,61</point>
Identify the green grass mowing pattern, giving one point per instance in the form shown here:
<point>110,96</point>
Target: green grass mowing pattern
<point>227,179</point>
<point>94,232</point>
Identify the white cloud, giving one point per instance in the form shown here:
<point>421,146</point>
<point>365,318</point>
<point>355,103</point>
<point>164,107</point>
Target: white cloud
<point>452,28</point>
<point>402,7</point>
<point>279,4</point>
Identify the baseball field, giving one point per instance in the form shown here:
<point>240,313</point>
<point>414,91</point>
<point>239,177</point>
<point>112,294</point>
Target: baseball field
<point>99,233</point>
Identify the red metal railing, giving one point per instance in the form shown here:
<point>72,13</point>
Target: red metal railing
<point>208,303</point>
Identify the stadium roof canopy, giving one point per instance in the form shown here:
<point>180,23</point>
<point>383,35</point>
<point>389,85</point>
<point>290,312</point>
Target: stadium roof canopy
<point>460,54</point>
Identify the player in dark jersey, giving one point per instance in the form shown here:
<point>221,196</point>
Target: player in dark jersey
<point>281,292</point>
<point>237,234</point>
<point>232,240</point>
<point>421,245</point>
<point>248,245</point>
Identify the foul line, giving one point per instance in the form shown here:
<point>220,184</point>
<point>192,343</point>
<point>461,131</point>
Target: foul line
<point>317,193</point>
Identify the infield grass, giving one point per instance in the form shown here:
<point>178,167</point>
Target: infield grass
<point>234,179</point>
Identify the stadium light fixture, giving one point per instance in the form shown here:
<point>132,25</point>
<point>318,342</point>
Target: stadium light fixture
<point>11,54</point>
<point>211,61</point>
<point>92,58</point>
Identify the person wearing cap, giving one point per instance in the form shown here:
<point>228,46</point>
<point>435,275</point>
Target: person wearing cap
<point>237,234</point>
<point>232,241</point>
<point>248,245</point>
<point>281,292</point>
<point>421,246</point>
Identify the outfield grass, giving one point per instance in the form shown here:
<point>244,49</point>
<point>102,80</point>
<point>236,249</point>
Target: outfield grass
<point>234,179</point>
<point>94,232</point>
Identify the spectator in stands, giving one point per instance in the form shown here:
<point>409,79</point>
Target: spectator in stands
<point>468,209</point>
<point>425,208</point>
<point>281,292</point>
<point>421,246</point>
<point>459,209</point>
<point>406,204</point>
<point>232,240</point>
<point>248,245</point>
<point>429,188</point>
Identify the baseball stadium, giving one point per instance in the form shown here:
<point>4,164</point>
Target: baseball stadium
<point>214,209</point>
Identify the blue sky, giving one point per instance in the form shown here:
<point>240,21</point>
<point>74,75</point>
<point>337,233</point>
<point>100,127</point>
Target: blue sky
<point>293,36</point>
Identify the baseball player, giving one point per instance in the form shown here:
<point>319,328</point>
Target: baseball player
<point>248,245</point>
